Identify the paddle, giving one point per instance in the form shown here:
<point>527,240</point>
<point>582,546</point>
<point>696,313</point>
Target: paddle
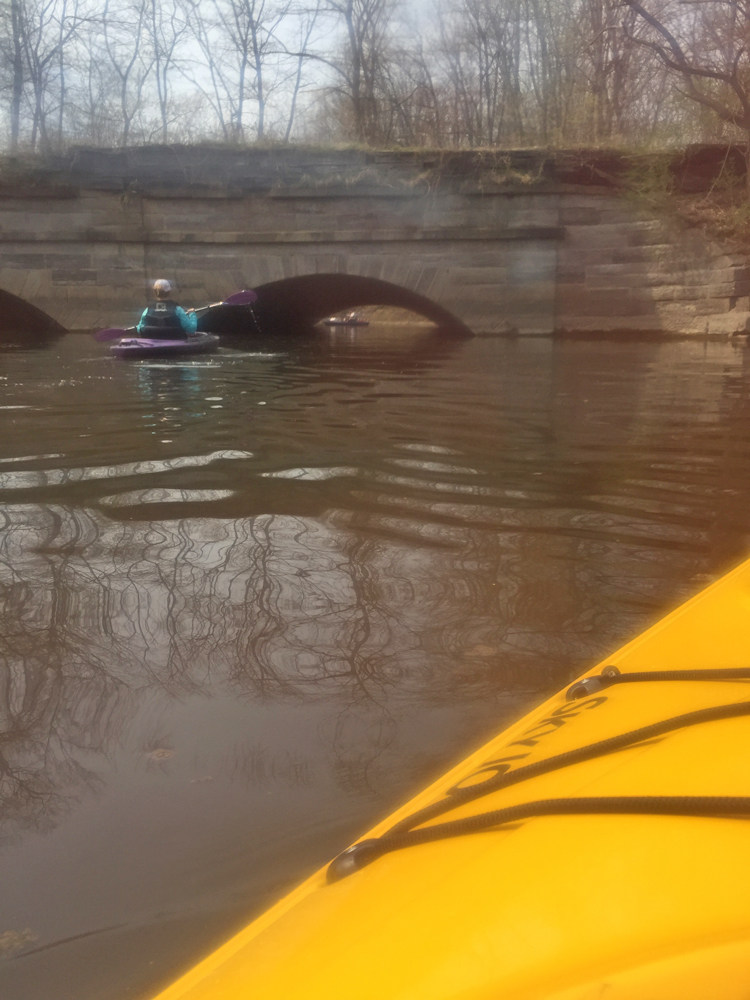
<point>243,298</point>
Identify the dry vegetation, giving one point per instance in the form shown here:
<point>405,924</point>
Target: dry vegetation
<point>455,74</point>
<point>723,213</point>
<point>717,202</point>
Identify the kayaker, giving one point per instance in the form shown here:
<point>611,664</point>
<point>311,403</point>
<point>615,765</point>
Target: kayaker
<point>163,319</point>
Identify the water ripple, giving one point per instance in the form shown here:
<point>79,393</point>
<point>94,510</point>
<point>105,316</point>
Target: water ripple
<point>413,463</point>
<point>57,477</point>
<point>136,497</point>
<point>311,474</point>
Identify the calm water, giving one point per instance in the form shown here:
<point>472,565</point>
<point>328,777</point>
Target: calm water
<point>251,602</point>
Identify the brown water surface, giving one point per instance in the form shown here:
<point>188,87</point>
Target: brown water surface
<point>251,602</point>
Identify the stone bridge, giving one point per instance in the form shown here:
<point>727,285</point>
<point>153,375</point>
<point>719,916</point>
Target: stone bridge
<point>515,243</point>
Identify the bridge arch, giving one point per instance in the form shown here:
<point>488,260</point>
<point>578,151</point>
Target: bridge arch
<point>20,317</point>
<point>298,303</point>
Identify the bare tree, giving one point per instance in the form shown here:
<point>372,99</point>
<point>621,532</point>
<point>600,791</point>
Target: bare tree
<point>220,87</point>
<point>308,18</point>
<point>41,31</point>
<point>123,30</point>
<point>359,64</point>
<point>240,47</point>
<point>706,44</point>
<point>462,73</point>
<point>17,26</point>
<point>167,26</point>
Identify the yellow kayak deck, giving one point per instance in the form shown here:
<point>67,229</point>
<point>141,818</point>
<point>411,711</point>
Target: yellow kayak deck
<point>621,905</point>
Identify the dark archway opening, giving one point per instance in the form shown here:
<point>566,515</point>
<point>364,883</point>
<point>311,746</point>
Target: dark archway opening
<point>24,323</point>
<point>295,305</point>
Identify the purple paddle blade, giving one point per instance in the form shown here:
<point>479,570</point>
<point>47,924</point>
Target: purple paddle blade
<point>113,333</point>
<point>244,298</point>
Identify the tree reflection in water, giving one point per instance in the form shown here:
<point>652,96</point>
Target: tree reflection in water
<point>95,613</point>
<point>352,607</point>
<point>224,657</point>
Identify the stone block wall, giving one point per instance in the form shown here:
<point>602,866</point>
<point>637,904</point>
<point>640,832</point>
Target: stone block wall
<point>619,270</point>
<point>87,260</point>
<point>505,257</point>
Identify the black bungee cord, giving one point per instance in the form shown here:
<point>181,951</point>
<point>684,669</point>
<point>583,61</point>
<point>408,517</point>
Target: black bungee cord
<point>403,834</point>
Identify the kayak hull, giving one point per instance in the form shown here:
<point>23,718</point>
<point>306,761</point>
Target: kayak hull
<point>553,907</point>
<point>142,347</point>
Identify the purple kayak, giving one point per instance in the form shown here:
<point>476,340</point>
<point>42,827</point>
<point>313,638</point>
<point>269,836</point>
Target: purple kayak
<point>141,347</point>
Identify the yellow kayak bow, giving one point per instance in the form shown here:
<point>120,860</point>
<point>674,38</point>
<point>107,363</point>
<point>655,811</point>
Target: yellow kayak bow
<point>598,848</point>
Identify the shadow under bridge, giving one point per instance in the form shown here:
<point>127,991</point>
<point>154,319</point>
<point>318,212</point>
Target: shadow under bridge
<point>21,322</point>
<point>296,304</point>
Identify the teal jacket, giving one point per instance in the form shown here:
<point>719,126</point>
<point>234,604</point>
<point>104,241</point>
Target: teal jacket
<point>188,321</point>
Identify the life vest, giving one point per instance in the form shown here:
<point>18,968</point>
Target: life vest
<point>162,322</point>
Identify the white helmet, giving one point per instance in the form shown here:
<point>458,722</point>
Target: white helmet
<point>162,285</point>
